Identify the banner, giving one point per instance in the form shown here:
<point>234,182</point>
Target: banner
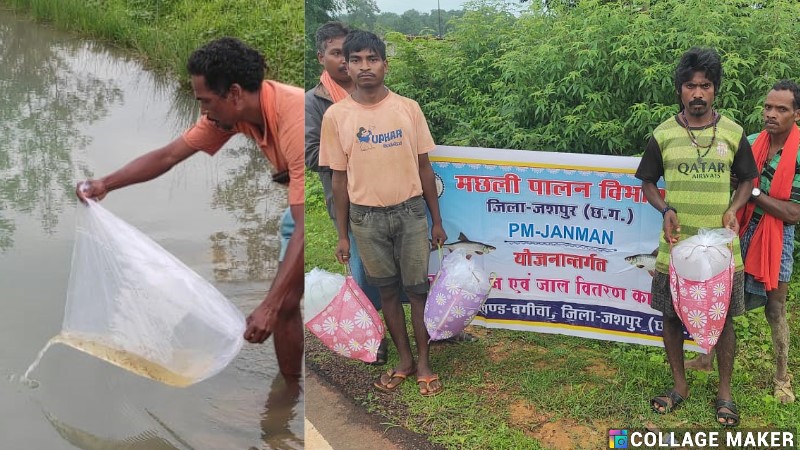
<point>571,238</point>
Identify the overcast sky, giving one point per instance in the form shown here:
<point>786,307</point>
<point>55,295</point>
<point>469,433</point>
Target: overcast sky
<point>401,6</point>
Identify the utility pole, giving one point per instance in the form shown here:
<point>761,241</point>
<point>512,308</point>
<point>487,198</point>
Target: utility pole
<point>439,9</point>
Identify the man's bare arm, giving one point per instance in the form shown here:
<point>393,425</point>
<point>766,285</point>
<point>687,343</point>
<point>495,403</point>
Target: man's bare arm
<point>144,168</point>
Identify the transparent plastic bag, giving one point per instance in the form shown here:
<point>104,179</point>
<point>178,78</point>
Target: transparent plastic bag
<point>703,255</point>
<point>320,289</point>
<point>133,304</point>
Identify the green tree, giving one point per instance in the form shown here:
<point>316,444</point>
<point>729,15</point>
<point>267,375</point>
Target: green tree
<point>317,12</point>
<point>593,78</point>
<point>361,14</point>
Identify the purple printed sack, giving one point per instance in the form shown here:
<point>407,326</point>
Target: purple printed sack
<point>457,294</point>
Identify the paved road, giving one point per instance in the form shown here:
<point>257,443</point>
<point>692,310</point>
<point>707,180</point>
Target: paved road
<point>334,422</point>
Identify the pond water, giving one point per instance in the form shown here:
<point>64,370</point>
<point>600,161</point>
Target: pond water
<point>71,109</point>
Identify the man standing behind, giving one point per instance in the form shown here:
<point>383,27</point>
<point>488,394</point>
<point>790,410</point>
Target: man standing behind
<point>771,214</point>
<point>228,80</point>
<point>697,151</point>
<point>382,180</point>
<point>334,85</point>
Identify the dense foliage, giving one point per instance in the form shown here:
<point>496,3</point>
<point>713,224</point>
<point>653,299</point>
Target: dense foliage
<point>165,32</point>
<point>366,15</point>
<point>593,77</point>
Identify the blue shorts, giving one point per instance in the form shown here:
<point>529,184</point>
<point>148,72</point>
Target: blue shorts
<point>287,228</point>
<point>751,286</point>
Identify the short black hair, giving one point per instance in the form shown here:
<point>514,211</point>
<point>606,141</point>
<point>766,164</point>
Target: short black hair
<point>789,85</point>
<point>226,61</point>
<point>699,59</point>
<point>359,40</point>
<point>328,31</point>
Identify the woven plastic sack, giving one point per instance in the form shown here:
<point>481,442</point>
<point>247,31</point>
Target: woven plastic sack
<point>349,325</point>
<point>701,278</point>
<point>133,304</point>
<point>321,287</point>
<point>457,294</point>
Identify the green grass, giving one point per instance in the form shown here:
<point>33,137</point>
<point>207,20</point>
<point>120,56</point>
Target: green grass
<point>524,390</point>
<point>165,32</point>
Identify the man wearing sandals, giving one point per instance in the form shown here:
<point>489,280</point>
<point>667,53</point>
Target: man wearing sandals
<point>335,85</point>
<point>771,215</point>
<point>377,143</point>
<point>697,151</point>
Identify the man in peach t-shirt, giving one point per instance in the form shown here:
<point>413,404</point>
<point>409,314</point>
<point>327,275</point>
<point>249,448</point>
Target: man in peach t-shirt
<point>228,80</point>
<point>377,143</point>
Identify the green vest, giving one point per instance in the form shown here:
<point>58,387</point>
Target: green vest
<point>698,180</point>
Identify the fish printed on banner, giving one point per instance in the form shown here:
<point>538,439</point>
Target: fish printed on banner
<point>471,247</point>
<point>644,261</point>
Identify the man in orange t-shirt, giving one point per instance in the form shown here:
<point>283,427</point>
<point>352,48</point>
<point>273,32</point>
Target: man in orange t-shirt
<point>228,80</point>
<point>377,143</point>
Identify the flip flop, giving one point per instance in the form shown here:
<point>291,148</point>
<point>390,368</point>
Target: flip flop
<point>425,388</point>
<point>733,415</point>
<point>672,402</point>
<point>392,374</point>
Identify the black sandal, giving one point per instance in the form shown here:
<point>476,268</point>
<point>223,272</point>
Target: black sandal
<point>674,401</point>
<point>733,415</point>
<point>383,353</point>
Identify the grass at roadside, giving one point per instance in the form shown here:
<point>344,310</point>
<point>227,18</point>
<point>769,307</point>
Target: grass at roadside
<point>165,32</point>
<point>528,390</point>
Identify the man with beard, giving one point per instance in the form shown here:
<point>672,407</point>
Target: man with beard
<point>697,151</point>
<point>771,216</point>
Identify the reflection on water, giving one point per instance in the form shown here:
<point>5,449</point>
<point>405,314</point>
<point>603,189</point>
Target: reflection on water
<point>252,198</point>
<point>146,440</point>
<point>42,109</point>
<point>70,109</point>
<point>284,403</point>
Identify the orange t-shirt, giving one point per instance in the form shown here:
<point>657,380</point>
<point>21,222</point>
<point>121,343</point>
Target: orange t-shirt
<point>379,147</point>
<point>282,142</point>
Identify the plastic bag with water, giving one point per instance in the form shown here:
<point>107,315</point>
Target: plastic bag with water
<point>133,304</point>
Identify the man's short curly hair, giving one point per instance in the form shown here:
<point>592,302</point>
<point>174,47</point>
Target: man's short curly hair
<point>226,61</point>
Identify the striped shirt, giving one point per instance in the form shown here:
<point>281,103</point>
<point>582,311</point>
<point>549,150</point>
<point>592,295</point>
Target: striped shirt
<point>697,179</point>
<point>768,173</point>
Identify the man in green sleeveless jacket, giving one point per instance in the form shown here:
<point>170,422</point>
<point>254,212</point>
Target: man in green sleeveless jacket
<point>697,151</point>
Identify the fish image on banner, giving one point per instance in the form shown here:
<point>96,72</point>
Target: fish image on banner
<point>644,261</point>
<point>471,247</point>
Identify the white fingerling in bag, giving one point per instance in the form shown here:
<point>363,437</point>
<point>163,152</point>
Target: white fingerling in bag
<point>134,305</point>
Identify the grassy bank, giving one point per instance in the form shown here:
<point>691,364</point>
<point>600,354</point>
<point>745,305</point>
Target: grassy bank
<point>165,32</point>
<point>515,390</point>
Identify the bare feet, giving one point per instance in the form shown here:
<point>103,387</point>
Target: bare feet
<point>702,363</point>
<point>783,390</point>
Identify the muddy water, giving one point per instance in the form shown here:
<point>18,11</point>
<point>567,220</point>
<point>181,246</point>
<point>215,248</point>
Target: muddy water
<point>71,108</point>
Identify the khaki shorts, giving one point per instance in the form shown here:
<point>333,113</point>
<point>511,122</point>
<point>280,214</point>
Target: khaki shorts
<point>393,242</point>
